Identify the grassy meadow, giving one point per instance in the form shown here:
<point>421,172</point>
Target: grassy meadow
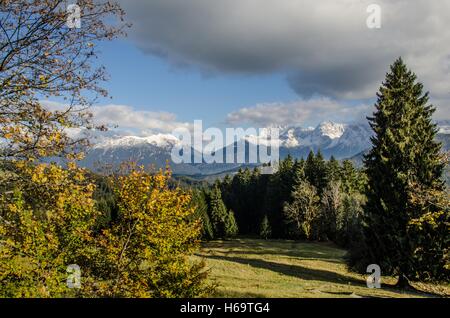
<point>282,268</point>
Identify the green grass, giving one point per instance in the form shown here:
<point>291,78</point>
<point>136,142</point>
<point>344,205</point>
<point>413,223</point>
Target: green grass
<point>280,268</point>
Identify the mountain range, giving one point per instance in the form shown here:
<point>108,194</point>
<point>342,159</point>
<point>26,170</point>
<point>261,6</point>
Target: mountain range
<point>343,141</point>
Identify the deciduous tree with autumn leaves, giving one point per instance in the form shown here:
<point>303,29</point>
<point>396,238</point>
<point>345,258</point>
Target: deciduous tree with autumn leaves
<point>49,218</point>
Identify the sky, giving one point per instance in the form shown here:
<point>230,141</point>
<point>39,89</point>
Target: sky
<point>260,63</point>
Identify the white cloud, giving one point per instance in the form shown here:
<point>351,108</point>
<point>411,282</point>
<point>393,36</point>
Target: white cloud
<point>442,108</point>
<point>126,120</point>
<point>323,46</point>
<point>146,122</point>
<point>301,112</point>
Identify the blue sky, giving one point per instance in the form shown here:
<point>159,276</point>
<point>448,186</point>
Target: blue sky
<point>287,62</point>
<point>149,82</point>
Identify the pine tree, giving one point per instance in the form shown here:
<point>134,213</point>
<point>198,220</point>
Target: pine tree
<point>349,229</point>
<point>218,212</point>
<point>352,179</point>
<point>286,176</point>
<point>316,171</point>
<point>321,172</point>
<point>242,203</point>
<point>431,234</point>
<point>279,189</point>
<point>298,172</point>
<point>201,212</point>
<point>272,206</point>
<point>333,170</point>
<point>310,167</point>
<point>256,193</point>
<point>264,228</point>
<point>231,227</point>
<point>227,189</point>
<point>404,156</point>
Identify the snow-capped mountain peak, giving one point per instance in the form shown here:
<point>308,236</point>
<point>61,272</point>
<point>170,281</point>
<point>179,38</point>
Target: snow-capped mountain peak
<point>332,130</point>
<point>322,136</point>
<point>291,140</point>
<point>159,140</point>
<point>332,139</point>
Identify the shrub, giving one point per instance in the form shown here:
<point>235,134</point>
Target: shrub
<point>145,252</point>
<point>46,216</point>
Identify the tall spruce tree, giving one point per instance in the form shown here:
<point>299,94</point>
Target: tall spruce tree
<point>231,226</point>
<point>352,180</point>
<point>333,169</point>
<point>316,170</point>
<point>201,212</point>
<point>310,167</point>
<point>404,156</point>
<point>279,190</point>
<point>298,171</point>
<point>218,212</point>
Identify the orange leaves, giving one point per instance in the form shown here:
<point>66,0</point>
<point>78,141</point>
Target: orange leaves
<point>10,132</point>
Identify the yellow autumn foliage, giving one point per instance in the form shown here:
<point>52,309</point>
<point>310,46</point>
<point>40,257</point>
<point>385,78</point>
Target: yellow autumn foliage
<point>49,220</point>
<point>145,253</point>
<point>46,214</point>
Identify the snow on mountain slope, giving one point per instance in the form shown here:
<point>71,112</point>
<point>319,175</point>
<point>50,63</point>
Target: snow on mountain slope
<point>159,140</point>
<point>444,130</point>
<point>333,139</point>
<point>331,129</point>
<point>339,140</point>
<point>444,127</point>
<point>322,135</point>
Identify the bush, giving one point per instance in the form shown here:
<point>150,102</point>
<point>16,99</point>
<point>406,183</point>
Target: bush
<point>144,253</point>
<point>46,216</point>
<point>49,220</point>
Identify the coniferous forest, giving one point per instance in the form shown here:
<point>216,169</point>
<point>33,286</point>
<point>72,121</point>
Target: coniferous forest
<point>394,211</point>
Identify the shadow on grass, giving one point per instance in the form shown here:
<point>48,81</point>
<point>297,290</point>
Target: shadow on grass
<point>304,255</point>
<point>293,270</point>
<point>309,251</point>
<point>235,294</point>
<point>314,275</point>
